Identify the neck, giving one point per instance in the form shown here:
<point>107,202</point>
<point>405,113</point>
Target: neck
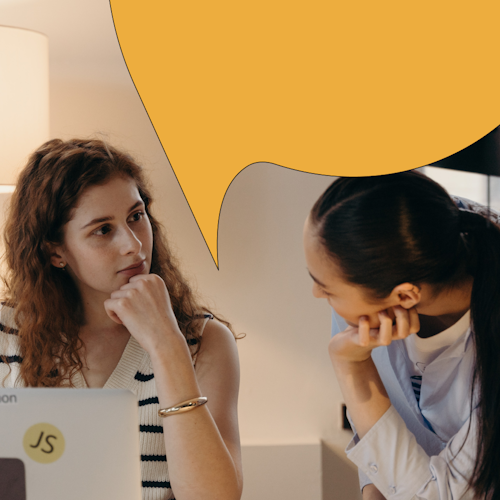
<point>446,308</point>
<point>95,316</point>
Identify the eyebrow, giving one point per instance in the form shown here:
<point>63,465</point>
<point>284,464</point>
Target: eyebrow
<point>98,220</point>
<point>316,280</point>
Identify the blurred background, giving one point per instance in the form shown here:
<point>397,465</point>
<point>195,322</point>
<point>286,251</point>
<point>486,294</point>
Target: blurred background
<point>290,404</point>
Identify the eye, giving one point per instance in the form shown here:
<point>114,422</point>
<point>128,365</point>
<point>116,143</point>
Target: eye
<point>137,216</point>
<point>102,231</point>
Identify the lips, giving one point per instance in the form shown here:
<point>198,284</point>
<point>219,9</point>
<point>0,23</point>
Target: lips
<point>134,269</point>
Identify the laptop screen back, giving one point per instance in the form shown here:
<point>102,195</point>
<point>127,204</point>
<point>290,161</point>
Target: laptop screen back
<point>69,444</point>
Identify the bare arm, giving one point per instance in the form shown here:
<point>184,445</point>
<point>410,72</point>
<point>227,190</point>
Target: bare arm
<point>350,351</point>
<point>364,393</point>
<point>390,456</point>
<point>218,373</point>
<point>202,445</point>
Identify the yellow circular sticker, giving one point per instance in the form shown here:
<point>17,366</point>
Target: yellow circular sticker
<point>44,443</point>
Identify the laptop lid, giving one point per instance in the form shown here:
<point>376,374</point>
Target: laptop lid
<point>69,444</point>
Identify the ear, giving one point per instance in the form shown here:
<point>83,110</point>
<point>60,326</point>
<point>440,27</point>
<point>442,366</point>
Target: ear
<point>406,295</point>
<point>57,253</point>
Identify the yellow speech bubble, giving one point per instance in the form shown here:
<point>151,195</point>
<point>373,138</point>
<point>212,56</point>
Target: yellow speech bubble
<point>328,87</point>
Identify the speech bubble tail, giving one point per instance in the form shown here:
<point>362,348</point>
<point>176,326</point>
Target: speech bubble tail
<point>212,245</point>
<point>209,230</point>
<point>204,195</point>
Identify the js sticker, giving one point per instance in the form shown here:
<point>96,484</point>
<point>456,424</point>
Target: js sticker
<point>44,443</point>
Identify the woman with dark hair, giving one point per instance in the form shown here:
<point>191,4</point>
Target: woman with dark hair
<point>414,278</point>
<point>95,299</point>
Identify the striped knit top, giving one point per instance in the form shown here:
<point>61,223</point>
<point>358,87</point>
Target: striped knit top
<point>135,372</point>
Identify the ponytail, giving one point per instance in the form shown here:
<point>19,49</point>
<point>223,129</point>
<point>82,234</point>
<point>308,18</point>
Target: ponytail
<point>387,230</point>
<point>484,239</point>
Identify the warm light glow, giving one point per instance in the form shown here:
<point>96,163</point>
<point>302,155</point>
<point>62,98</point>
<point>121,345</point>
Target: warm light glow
<point>24,98</point>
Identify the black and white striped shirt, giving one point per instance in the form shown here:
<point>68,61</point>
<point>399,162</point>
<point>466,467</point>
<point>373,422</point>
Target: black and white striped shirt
<point>135,372</point>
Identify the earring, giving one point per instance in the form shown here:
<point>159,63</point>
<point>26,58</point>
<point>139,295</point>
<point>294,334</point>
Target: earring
<point>61,264</point>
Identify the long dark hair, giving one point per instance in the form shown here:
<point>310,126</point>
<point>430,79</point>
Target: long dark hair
<point>46,301</point>
<point>388,230</point>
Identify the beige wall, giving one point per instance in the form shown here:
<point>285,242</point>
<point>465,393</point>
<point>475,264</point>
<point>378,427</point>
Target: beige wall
<point>288,393</point>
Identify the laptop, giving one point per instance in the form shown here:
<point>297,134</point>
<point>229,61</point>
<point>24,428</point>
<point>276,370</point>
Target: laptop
<point>69,444</point>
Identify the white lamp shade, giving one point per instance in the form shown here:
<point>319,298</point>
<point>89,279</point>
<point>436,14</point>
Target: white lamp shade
<point>24,97</point>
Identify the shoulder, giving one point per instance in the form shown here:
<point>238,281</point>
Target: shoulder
<point>218,351</point>
<point>218,374</point>
<point>218,337</point>
<point>474,206</point>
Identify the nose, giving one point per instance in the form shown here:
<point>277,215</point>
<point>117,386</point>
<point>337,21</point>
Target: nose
<point>318,292</point>
<point>130,243</point>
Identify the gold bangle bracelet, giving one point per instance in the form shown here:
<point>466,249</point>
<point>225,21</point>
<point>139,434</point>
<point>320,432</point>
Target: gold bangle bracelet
<point>188,405</point>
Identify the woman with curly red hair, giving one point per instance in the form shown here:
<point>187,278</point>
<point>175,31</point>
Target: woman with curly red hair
<point>95,299</point>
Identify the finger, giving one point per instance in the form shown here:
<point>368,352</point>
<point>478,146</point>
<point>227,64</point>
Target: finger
<point>139,277</point>
<point>146,282</point>
<point>128,293</point>
<point>385,329</point>
<point>111,313</point>
<point>402,329</point>
<point>136,284</point>
<point>127,286</point>
<point>146,277</point>
<point>364,331</point>
<point>414,320</point>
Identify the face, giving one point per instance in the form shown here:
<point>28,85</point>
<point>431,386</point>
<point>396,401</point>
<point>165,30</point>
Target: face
<point>347,299</point>
<point>108,239</point>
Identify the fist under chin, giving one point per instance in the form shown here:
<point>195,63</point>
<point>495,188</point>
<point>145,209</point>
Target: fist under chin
<point>374,322</point>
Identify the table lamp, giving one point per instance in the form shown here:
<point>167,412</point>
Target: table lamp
<point>24,99</point>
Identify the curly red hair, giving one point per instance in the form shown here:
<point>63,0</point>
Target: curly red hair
<point>47,303</point>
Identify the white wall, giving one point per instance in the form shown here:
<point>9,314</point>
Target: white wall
<point>468,185</point>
